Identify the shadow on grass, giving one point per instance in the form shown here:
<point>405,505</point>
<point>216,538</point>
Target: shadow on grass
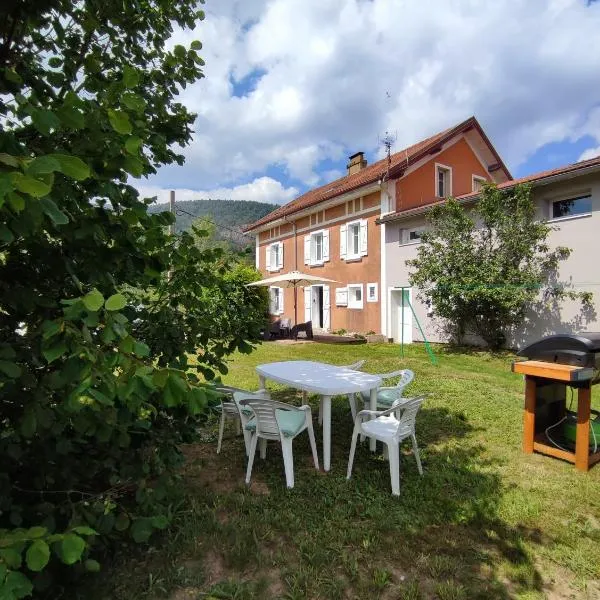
<point>334,538</point>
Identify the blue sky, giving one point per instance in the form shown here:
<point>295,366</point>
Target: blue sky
<point>292,87</point>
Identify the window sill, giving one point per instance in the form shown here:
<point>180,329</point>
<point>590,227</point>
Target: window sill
<point>355,307</point>
<point>353,259</point>
<point>372,301</point>
<point>569,218</point>
<point>317,264</point>
<point>413,243</point>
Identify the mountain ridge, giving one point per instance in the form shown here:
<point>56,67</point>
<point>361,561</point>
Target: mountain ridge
<point>229,216</point>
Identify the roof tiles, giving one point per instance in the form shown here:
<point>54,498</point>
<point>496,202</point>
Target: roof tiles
<point>369,174</point>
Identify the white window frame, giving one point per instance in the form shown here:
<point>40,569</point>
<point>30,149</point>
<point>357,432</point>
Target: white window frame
<point>314,258</point>
<point>478,178</point>
<point>310,257</point>
<point>562,198</point>
<point>448,169</point>
<point>350,238</point>
<point>275,250</point>
<point>346,238</point>
<point>404,236</point>
<point>372,287</point>
<point>352,303</point>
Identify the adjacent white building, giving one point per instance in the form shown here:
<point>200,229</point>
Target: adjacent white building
<point>568,198</point>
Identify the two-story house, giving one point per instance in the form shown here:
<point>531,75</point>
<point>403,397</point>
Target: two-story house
<point>332,231</point>
<point>567,198</point>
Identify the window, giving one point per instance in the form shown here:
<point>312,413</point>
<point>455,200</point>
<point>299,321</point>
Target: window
<point>581,205</point>
<point>443,181</point>
<point>410,236</point>
<point>371,292</point>
<point>355,296</point>
<point>353,240</point>
<point>478,183</point>
<point>316,247</point>
<point>274,256</point>
<point>276,294</point>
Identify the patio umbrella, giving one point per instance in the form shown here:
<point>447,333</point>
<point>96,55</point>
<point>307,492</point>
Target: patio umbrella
<point>293,279</point>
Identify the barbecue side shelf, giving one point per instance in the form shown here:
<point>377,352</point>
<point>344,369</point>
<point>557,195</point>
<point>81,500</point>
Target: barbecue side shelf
<point>545,404</point>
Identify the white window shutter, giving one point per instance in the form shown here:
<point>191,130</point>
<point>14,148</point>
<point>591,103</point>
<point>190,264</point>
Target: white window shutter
<point>363,237</point>
<point>325,245</point>
<point>280,254</point>
<point>272,307</point>
<point>281,297</point>
<point>343,241</point>
<point>341,297</point>
<point>307,259</point>
<point>326,309</point>
<point>268,257</point>
<point>307,303</point>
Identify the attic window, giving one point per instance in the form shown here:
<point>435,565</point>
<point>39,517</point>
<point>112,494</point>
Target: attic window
<point>443,181</point>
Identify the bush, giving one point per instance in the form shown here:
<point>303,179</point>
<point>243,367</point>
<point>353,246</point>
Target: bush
<point>100,306</point>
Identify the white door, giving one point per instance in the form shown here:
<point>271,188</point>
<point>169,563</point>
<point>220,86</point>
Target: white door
<point>326,310</point>
<point>307,303</point>
<point>401,316</point>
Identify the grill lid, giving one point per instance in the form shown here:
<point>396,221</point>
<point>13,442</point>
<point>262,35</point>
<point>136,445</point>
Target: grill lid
<point>586,343</point>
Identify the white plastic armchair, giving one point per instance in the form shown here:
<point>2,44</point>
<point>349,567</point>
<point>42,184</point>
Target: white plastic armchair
<point>230,410</point>
<point>277,421</point>
<point>391,429</point>
<point>386,395</point>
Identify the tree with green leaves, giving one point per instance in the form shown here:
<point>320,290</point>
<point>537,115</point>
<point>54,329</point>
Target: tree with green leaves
<point>482,268</point>
<point>109,326</point>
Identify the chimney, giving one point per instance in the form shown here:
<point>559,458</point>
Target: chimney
<point>356,163</point>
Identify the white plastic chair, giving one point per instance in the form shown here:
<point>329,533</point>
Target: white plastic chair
<point>277,421</point>
<point>354,367</point>
<point>230,410</point>
<point>390,429</point>
<point>386,395</point>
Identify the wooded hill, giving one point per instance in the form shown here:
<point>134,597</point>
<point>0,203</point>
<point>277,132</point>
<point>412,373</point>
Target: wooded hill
<point>228,215</point>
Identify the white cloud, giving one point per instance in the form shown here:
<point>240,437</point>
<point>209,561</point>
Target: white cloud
<point>263,189</point>
<point>590,153</point>
<point>333,75</point>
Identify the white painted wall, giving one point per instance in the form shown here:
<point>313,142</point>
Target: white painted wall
<point>581,271</point>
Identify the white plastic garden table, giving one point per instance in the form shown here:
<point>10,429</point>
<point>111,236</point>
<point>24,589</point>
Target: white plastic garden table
<point>326,380</point>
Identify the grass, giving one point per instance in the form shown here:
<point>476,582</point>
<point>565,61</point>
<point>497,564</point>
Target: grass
<point>485,520</point>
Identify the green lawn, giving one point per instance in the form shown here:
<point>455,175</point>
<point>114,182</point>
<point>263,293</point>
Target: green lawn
<point>485,521</point>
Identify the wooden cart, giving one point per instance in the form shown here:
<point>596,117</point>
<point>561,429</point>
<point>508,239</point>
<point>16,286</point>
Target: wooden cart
<point>545,404</point>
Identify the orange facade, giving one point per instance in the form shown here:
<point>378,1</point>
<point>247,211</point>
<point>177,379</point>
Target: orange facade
<point>363,270</point>
<point>419,187</point>
<point>416,188</point>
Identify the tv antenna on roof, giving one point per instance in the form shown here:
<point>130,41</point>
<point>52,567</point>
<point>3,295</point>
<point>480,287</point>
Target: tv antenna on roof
<point>387,141</point>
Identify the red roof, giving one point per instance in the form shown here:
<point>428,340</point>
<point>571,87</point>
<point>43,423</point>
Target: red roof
<point>535,178</point>
<point>372,173</point>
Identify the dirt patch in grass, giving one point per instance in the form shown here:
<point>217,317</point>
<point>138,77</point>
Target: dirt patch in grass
<point>206,469</point>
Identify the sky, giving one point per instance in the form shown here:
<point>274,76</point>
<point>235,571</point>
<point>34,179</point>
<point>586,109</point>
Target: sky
<point>293,87</point>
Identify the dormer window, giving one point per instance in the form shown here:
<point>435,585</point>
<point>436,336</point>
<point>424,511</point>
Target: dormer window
<point>443,181</point>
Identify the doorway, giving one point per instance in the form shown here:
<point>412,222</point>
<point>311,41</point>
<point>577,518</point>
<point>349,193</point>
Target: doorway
<point>401,317</point>
<point>317,306</point>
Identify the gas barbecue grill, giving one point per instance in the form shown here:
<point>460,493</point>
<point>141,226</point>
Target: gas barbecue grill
<point>579,350</point>
<point>555,362</point>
